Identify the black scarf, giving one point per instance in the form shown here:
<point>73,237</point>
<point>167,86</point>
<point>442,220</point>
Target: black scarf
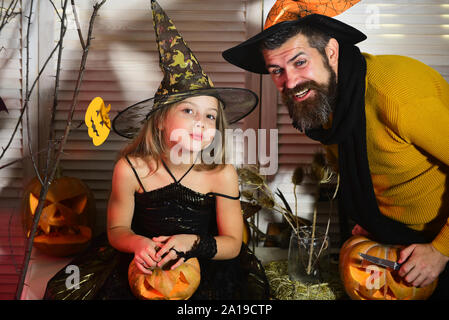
<point>356,196</point>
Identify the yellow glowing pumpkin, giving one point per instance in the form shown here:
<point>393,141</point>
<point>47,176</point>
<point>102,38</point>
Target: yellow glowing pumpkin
<point>67,219</point>
<point>178,284</point>
<point>364,281</point>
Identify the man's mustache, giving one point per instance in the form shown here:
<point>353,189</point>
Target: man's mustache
<point>310,84</point>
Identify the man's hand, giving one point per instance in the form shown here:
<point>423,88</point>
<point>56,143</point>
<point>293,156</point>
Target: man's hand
<point>422,264</point>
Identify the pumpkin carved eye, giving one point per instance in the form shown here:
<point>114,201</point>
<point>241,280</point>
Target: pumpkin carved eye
<point>77,203</point>
<point>34,202</point>
<point>67,218</point>
<point>365,281</point>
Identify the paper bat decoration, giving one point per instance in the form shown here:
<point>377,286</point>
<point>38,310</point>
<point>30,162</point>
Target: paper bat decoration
<point>97,121</point>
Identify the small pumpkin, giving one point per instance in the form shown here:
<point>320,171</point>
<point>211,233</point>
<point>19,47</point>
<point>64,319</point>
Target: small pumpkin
<point>364,281</point>
<point>177,284</point>
<point>67,219</point>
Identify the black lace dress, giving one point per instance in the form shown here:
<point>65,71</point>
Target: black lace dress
<point>173,209</point>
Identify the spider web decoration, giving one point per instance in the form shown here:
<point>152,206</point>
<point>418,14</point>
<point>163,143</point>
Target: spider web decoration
<point>286,10</point>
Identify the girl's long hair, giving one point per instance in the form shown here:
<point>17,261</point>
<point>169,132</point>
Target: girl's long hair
<point>149,144</point>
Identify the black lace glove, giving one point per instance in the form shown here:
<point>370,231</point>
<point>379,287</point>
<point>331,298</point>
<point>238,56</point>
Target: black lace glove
<point>205,246</point>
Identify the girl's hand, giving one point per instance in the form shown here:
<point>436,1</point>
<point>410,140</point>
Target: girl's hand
<point>145,254</point>
<point>178,242</point>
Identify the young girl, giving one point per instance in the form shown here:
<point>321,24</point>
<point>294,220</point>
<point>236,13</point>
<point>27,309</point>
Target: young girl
<point>168,203</point>
<point>143,170</point>
<point>156,203</point>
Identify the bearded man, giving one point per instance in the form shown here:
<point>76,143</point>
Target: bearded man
<point>385,118</point>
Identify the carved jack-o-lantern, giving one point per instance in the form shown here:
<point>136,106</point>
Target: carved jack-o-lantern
<point>177,284</point>
<point>365,281</point>
<point>67,219</point>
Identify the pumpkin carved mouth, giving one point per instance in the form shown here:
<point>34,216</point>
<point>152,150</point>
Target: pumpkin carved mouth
<point>152,292</point>
<point>177,284</point>
<point>181,285</point>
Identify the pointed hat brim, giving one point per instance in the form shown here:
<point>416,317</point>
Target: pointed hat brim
<point>237,104</point>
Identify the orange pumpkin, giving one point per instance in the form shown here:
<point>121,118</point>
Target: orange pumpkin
<point>364,281</point>
<point>178,284</point>
<point>67,219</point>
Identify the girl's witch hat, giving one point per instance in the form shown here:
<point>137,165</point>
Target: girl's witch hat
<point>183,78</point>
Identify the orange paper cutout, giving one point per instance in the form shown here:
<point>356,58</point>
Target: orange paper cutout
<point>287,10</point>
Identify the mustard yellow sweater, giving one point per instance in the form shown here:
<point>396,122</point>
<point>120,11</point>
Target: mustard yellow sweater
<point>407,130</point>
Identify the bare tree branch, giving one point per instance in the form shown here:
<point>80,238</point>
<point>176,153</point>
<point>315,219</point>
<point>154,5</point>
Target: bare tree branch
<point>51,170</point>
<point>28,156</point>
<point>48,178</point>
<point>55,94</point>
<point>27,99</point>
<point>78,27</point>
<point>1,9</point>
<point>9,14</point>
<point>97,7</point>
<point>56,9</point>
<point>27,69</point>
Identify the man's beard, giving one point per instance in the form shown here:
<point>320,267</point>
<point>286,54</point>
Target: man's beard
<point>315,111</point>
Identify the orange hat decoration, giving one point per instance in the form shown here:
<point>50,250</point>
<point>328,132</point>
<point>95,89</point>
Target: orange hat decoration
<point>287,10</point>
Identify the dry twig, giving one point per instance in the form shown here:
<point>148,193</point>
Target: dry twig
<point>7,14</point>
<point>53,155</point>
<point>78,27</point>
<point>30,91</point>
<point>27,69</point>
